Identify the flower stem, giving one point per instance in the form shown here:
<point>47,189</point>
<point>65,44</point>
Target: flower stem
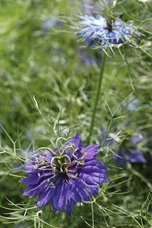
<point>97,95</point>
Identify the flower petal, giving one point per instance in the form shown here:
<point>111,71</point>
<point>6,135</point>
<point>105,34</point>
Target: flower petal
<point>91,151</point>
<point>75,141</point>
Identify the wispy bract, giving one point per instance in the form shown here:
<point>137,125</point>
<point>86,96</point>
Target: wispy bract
<point>64,176</point>
<point>103,32</point>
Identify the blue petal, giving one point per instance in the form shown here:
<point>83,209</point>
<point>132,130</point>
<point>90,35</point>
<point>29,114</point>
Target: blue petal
<point>91,151</point>
<point>46,196</point>
<point>135,139</point>
<point>75,140</point>
<point>78,190</point>
<point>135,155</point>
<point>36,177</point>
<point>32,179</point>
<point>58,199</point>
<point>34,190</point>
<point>94,178</point>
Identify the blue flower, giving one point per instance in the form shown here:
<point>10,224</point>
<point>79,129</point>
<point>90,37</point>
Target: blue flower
<point>88,60</point>
<point>64,176</point>
<point>132,103</point>
<point>128,150</point>
<point>50,22</point>
<point>133,155</point>
<point>106,139</point>
<point>98,31</point>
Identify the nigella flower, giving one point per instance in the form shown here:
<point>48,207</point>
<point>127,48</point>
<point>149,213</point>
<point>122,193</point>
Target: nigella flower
<point>50,22</point>
<point>132,103</point>
<point>88,60</point>
<point>128,150</point>
<point>65,175</point>
<point>103,32</point>
<point>106,139</point>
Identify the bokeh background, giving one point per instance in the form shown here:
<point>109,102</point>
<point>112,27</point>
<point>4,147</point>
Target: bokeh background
<point>48,83</point>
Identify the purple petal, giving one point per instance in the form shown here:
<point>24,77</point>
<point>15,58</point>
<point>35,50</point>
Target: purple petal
<point>135,139</point>
<point>79,190</point>
<point>32,179</point>
<point>119,158</point>
<point>46,196</point>
<point>75,141</point>
<point>34,190</point>
<point>60,200</point>
<point>35,178</point>
<point>91,151</point>
<point>135,155</point>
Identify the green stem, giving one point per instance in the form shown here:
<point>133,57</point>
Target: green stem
<point>97,95</point>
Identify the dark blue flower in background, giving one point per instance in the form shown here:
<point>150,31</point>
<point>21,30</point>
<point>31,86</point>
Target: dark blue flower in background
<point>128,150</point>
<point>132,103</point>
<point>50,22</point>
<point>97,30</point>
<point>88,60</point>
<point>65,176</point>
<point>106,139</point>
<point>133,155</point>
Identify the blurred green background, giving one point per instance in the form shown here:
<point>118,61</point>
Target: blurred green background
<point>48,87</point>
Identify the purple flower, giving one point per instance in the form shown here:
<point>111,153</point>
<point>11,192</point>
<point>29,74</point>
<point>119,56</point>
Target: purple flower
<point>64,176</point>
<point>50,22</point>
<point>132,103</point>
<point>133,155</point>
<point>88,60</point>
<point>105,138</point>
<point>128,150</point>
<point>103,33</point>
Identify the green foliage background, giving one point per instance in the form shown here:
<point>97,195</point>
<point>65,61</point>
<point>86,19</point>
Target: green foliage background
<point>47,91</point>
